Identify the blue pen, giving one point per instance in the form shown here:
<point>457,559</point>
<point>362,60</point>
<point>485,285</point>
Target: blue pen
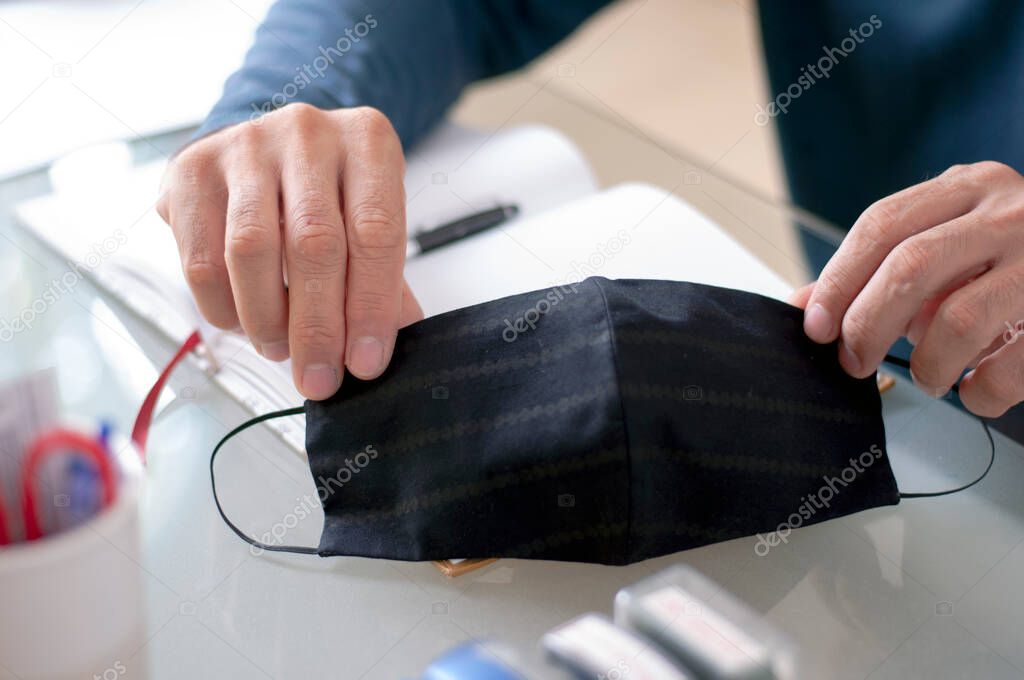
<point>104,434</point>
<point>82,492</point>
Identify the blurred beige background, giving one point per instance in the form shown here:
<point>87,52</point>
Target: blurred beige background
<point>659,91</point>
<point>652,89</point>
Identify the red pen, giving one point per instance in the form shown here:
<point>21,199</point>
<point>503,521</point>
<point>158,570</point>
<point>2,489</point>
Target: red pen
<point>4,536</point>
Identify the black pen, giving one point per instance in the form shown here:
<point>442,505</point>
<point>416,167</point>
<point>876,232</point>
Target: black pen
<point>459,229</point>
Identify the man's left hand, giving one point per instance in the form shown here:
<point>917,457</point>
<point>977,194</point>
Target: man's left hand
<point>943,264</point>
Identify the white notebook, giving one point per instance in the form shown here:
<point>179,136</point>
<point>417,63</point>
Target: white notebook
<point>101,216</point>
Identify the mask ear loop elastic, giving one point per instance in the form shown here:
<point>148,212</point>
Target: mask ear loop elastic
<point>903,363</point>
<point>295,411</point>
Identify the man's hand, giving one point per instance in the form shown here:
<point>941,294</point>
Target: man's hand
<point>942,263</point>
<point>293,227</point>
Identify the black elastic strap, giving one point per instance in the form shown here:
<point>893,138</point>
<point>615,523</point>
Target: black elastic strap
<point>903,363</point>
<point>294,411</point>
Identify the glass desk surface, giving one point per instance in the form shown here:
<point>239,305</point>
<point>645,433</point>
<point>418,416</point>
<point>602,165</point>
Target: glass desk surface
<point>929,588</point>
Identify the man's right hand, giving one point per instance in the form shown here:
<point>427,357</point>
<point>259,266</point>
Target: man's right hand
<point>293,228</point>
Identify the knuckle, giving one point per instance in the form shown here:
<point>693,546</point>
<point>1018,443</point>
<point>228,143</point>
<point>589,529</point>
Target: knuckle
<point>315,332</point>
<point>877,221</point>
<point>368,305</point>
<point>318,247</point>
<point>251,153</point>
<point>247,150</point>
<point>248,242</point>
<point>370,134</point>
<point>956,171</point>
<point>245,217</point>
<point>990,171</point>
<point>959,319</point>
<point>910,261</point>
<point>998,292</point>
<point>192,164</point>
<point>247,134</point>
<point>1006,217</point>
<point>313,212</point>
<point>204,274</point>
<point>376,229</point>
<point>300,116</point>
<point>297,124</point>
<point>316,240</point>
<point>371,122</point>
<point>265,329</point>
<point>980,175</point>
<point>246,205</point>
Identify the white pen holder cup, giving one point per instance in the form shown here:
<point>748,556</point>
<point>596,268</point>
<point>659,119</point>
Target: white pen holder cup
<point>71,604</point>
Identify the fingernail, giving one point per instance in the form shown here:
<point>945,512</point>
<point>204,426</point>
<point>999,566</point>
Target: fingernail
<point>366,357</point>
<point>818,323</point>
<point>320,381</point>
<point>276,351</point>
<point>850,361</point>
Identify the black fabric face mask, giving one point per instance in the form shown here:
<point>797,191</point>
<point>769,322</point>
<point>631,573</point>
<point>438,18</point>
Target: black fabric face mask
<point>607,421</point>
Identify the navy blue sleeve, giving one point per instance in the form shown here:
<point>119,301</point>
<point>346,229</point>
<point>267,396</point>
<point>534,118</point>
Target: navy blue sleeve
<point>409,58</point>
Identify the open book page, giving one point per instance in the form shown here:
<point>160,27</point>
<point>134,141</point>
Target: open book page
<point>102,221</point>
<point>456,171</point>
<point>628,231</point>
